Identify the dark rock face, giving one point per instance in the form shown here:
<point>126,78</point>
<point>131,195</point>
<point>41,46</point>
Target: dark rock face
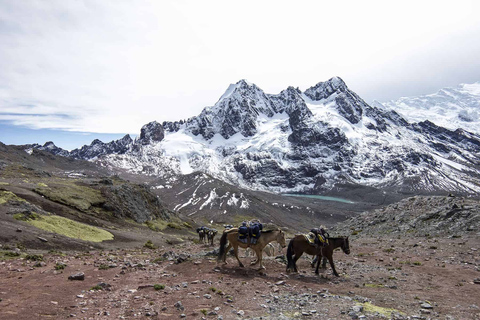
<point>52,148</point>
<point>323,90</point>
<point>98,148</point>
<point>136,202</point>
<point>172,126</point>
<point>236,112</point>
<point>151,132</point>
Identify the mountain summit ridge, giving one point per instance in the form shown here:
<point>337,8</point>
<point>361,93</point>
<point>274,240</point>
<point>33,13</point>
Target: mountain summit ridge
<point>308,142</point>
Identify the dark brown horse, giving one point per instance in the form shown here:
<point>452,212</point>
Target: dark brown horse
<point>299,244</point>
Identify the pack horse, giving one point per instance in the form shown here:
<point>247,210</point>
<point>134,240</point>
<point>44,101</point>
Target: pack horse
<point>300,244</point>
<point>231,236</point>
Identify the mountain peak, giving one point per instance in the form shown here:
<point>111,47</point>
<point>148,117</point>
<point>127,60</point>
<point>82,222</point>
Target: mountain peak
<point>325,89</point>
<point>151,132</point>
<point>244,82</point>
<point>232,88</point>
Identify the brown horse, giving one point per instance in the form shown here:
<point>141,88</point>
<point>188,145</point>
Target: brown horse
<point>211,233</point>
<point>299,244</point>
<point>201,235</point>
<point>231,235</point>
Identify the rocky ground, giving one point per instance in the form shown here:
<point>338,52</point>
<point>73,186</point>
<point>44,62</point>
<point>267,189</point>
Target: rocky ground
<point>382,278</point>
<point>414,259</point>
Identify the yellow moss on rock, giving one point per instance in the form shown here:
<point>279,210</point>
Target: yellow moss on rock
<point>368,307</point>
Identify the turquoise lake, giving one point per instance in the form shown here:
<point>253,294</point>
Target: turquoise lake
<point>318,197</point>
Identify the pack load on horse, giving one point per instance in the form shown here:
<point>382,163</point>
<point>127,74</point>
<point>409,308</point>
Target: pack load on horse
<point>250,232</point>
<point>231,236</point>
<point>255,231</point>
<point>300,244</point>
<point>243,232</point>
<point>319,236</point>
<point>211,233</point>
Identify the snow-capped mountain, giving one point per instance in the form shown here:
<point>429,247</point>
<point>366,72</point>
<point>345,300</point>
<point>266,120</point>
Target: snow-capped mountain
<point>310,142</point>
<point>451,108</point>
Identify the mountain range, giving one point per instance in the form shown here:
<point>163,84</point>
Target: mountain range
<point>322,140</point>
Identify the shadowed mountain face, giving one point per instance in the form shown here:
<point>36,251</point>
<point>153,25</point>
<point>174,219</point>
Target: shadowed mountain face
<point>313,142</point>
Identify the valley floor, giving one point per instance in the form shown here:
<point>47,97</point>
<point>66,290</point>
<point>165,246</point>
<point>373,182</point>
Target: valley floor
<point>382,278</point>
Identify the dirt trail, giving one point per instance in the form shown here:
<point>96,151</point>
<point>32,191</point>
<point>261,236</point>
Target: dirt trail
<point>420,278</point>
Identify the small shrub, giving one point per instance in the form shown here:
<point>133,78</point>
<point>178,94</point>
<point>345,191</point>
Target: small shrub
<point>355,232</point>
<point>149,245</point>
<point>96,288</point>
<point>188,225</point>
<point>204,311</point>
<point>151,226</point>
<point>11,254</point>
<point>417,263</point>
<point>34,257</point>
<point>213,289</point>
<point>158,286</point>
<point>60,266</point>
<point>103,267</point>
<point>174,225</point>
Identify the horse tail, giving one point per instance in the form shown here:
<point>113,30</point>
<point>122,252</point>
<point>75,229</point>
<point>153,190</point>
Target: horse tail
<point>223,244</point>
<point>290,255</point>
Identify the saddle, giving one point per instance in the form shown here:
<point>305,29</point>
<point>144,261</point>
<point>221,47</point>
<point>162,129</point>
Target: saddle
<point>315,240</point>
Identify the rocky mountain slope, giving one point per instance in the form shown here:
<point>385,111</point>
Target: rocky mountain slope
<point>419,216</point>
<point>316,141</point>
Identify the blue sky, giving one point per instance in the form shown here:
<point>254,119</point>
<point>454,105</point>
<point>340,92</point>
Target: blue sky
<point>68,140</point>
<point>68,68</point>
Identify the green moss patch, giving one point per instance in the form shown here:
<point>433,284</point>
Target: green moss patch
<point>70,228</point>
<point>6,255</point>
<point>81,197</point>
<point>6,196</point>
<point>368,307</point>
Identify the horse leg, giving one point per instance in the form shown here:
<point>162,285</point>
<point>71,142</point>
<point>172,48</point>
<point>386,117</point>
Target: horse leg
<point>260,258</point>
<point>295,258</point>
<point>330,259</point>
<point>226,251</point>
<point>235,250</point>
<point>255,255</point>
<point>314,260</point>
<point>324,263</point>
<point>319,258</point>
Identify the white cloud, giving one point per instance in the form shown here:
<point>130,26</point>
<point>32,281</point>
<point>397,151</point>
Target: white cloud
<point>112,66</point>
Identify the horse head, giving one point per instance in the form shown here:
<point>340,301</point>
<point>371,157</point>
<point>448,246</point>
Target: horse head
<point>346,246</point>
<point>281,238</point>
